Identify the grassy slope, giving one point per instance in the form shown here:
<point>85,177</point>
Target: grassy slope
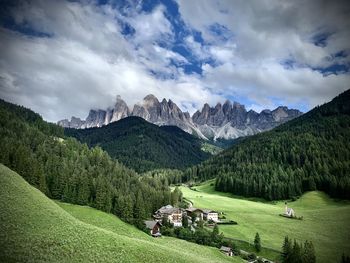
<point>326,222</point>
<point>34,228</point>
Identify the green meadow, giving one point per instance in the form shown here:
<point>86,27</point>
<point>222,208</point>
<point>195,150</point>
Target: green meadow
<point>326,222</point>
<point>34,228</point>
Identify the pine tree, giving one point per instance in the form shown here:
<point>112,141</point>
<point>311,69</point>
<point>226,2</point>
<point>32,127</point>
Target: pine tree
<point>257,242</point>
<point>185,221</point>
<point>139,208</point>
<point>308,254</point>
<point>215,234</point>
<point>127,213</point>
<point>345,259</point>
<point>296,253</point>
<point>286,250</point>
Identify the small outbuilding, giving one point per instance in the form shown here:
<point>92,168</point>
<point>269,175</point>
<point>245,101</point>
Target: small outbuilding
<point>227,251</point>
<point>154,227</point>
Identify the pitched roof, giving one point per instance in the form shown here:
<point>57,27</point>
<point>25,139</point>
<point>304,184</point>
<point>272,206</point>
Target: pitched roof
<point>151,224</point>
<point>206,211</point>
<point>168,209</point>
<point>192,209</point>
<point>226,249</point>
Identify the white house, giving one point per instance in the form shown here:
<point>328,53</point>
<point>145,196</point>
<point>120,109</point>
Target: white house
<point>210,215</point>
<point>203,214</point>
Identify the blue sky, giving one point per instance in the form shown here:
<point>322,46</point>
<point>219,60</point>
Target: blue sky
<point>62,58</point>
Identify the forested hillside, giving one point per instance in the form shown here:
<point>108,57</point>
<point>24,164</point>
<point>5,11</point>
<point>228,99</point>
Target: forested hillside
<point>144,146</point>
<point>67,170</point>
<point>308,153</point>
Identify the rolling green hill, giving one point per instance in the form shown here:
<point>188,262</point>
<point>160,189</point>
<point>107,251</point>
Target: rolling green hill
<point>311,152</point>
<point>34,228</point>
<point>144,146</point>
<point>326,222</point>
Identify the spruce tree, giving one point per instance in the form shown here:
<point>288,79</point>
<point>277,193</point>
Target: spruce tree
<point>296,253</point>
<point>139,208</point>
<point>345,259</point>
<point>308,254</point>
<point>185,221</point>
<point>286,250</point>
<point>215,234</point>
<point>257,242</point>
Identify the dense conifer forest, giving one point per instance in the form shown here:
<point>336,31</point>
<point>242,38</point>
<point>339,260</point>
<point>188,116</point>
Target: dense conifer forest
<point>144,146</point>
<point>308,153</point>
<point>67,170</point>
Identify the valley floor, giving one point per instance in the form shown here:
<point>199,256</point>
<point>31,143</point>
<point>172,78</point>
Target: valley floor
<point>326,222</point>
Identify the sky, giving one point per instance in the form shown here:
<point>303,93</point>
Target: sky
<point>62,58</point>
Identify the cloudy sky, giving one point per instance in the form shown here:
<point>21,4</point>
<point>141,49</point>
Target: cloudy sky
<point>61,58</point>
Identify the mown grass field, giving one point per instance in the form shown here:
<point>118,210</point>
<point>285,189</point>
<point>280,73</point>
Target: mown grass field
<point>34,228</point>
<point>326,222</point>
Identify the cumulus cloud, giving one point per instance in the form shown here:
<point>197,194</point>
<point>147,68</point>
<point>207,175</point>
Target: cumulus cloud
<point>266,34</point>
<point>86,61</point>
<point>62,58</point>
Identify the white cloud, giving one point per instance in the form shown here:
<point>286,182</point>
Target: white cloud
<point>150,26</point>
<point>71,72</point>
<point>264,35</point>
<point>86,61</point>
<point>275,81</point>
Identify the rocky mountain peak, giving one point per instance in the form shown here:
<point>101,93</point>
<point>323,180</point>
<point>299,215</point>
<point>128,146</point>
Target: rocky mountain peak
<point>120,111</point>
<point>229,120</point>
<point>151,99</point>
<point>218,106</point>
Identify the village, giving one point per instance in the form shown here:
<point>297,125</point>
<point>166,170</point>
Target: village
<point>176,216</point>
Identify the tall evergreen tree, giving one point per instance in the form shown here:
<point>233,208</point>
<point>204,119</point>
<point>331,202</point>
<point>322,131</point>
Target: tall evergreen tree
<point>286,250</point>
<point>139,208</point>
<point>296,253</point>
<point>308,253</point>
<point>345,259</point>
<point>257,242</point>
<point>185,221</point>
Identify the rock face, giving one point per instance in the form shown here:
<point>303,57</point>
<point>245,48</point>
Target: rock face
<point>227,121</point>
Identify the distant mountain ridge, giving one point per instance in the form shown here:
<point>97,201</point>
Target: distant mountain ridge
<point>227,121</point>
<point>144,146</point>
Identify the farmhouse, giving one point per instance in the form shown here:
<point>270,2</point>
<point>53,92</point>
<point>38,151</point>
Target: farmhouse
<point>195,213</point>
<point>173,214</point>
<point>203,214</point>
<point>210,215</point>
<point>154,228</point>
<point>289,211</point>
<point>227,251</point>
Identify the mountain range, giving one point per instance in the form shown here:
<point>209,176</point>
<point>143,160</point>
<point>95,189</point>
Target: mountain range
<point>224,121</point>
